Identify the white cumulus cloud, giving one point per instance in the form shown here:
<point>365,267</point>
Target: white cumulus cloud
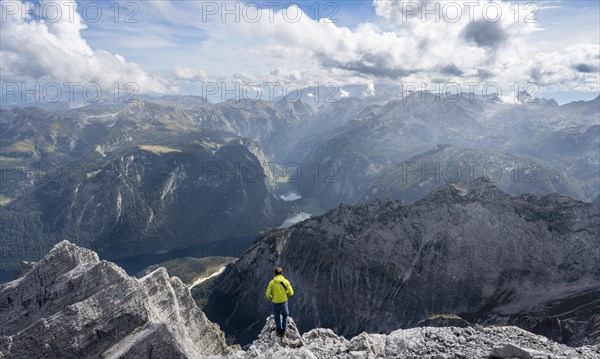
<point>35,49</point>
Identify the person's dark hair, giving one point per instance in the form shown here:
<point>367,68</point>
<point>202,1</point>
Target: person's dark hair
<point>278,271</point>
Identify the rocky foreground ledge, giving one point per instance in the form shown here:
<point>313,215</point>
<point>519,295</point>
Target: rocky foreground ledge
<point>427,342</point>
<point>72,305</point>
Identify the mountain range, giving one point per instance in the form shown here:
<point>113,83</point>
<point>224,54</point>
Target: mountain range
<point>140,180</point>
<point>167,173</point>
<point>353,156</point>
<point>422,174</point>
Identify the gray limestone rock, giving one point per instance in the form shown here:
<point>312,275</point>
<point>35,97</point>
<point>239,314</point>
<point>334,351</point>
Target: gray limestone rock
<point>72,305</point>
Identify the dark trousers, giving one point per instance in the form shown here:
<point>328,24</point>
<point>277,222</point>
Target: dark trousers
<point>280,310</point>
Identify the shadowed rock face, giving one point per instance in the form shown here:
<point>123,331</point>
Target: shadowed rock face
<point>72,305</point>
<point>468,249</point>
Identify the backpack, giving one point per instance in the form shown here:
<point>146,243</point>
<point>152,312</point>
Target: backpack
<point>284,287</point>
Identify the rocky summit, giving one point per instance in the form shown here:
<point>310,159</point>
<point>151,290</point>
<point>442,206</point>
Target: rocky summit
<point>427,342</point>
<point>72,305</point>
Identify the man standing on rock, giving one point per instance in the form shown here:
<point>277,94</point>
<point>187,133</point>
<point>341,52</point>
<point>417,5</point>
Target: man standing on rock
<point>278,291</point>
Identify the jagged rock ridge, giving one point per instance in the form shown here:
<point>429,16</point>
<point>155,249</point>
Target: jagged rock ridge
<point>72,305</point>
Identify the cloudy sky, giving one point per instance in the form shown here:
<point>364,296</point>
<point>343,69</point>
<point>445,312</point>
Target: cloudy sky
<point>175,46</point>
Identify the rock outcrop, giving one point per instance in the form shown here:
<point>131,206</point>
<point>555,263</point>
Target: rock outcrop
<point>468,249</point>
<point>72,305</point>
<point>426,343</point>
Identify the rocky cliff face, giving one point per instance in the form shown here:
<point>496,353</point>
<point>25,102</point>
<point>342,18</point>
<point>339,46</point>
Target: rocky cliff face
<point>467,249</point>
<point>72,305</point>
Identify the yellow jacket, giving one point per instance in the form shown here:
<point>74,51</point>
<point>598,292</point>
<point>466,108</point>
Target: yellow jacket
<point>276,292</point>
